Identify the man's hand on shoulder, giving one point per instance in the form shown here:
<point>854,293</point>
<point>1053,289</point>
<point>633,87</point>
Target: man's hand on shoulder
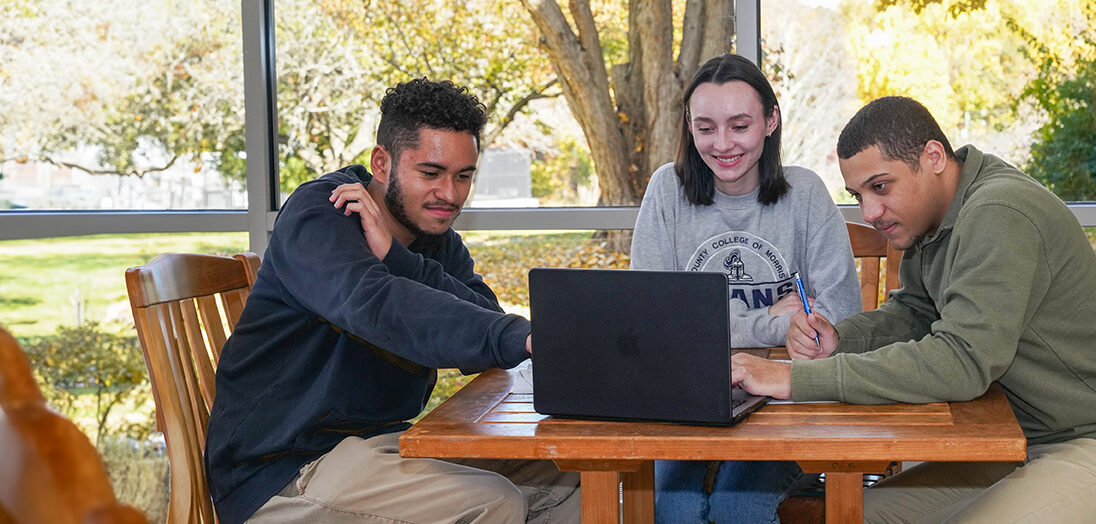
<point>357,200</point>
<point>762,376</point>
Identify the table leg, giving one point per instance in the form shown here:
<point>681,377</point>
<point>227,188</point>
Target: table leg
<point>600,497</point>
<point>639,494</point>
<point>844,497</point>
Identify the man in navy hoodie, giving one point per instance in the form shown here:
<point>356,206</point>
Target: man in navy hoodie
<point>364,292</point>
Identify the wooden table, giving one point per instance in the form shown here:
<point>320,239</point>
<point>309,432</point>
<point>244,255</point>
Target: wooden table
<point>486,420</point>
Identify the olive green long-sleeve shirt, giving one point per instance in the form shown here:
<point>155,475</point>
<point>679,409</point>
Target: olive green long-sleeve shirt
<point>1004,290</point>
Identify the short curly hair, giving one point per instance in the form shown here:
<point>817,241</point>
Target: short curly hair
<point>420,103</point>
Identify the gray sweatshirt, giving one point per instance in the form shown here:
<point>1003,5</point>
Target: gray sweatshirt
<point>757,247</point>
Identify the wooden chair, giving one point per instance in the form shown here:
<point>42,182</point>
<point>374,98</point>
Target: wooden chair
<point>869,248</point>
<point>184,307</point>
<point>49,470</point>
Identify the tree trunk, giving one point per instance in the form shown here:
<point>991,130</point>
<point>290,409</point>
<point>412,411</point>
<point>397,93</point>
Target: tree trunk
<point>633,134</point>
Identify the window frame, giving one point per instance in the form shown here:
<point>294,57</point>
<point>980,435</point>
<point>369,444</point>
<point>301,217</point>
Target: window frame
<point>260,81</point>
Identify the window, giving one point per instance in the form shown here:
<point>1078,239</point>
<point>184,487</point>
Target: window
<point>335,61</point>
<point>979,67</point>
<point>142,111</point>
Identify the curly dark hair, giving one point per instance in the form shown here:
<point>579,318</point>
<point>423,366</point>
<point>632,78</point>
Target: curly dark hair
<point>899,125</point>
<point>420,103</point>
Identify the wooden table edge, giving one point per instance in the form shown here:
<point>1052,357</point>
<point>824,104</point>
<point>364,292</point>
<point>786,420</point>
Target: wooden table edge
<point>844,502</point>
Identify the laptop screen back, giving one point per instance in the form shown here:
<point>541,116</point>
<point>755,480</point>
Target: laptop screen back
<point>629,344</point>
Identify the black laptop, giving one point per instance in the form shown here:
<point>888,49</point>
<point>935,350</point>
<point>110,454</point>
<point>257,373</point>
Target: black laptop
<point>634,345</point>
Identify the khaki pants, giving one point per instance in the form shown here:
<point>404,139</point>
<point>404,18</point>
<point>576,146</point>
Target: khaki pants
<point>365,480</point>
<point>1057,483</point>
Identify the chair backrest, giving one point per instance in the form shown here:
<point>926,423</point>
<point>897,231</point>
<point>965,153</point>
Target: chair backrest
<point>49,470</point>
<point>185,307</point>
<point>870,247</point>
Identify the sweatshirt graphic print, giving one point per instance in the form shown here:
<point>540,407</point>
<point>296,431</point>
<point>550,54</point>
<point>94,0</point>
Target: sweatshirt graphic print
<point>757,273</point>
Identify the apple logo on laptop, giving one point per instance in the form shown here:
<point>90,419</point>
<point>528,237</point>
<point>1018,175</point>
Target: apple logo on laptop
<point>627,344</point>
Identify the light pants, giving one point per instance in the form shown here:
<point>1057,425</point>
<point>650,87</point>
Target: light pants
<point>366,480</point>
<point>1056,484</point>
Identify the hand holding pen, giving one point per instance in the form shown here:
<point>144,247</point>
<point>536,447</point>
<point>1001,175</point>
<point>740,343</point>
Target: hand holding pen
<point>810,335</point>
<point>806,306</point>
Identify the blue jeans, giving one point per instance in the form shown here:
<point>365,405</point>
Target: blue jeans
<point>745,492</point>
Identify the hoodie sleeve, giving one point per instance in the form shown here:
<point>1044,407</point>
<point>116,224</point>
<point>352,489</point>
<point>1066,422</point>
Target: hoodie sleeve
<point>457,277</point>
<point>418,311</point>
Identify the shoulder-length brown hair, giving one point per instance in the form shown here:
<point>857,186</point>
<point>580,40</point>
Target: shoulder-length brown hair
<point>695,175</point>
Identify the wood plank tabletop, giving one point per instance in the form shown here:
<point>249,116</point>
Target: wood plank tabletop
<point>486,419</point>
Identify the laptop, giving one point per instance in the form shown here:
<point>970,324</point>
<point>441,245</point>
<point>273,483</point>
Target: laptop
<point>634,345</point>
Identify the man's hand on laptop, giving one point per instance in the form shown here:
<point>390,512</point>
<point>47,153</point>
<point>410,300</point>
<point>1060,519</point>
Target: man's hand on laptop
<point>762,376</point>
<point>801,341</point>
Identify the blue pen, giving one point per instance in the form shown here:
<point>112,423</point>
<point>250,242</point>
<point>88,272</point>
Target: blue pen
<point>806,307</point>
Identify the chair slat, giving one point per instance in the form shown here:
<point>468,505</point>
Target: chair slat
<point>198,348</point>
<point>182,358</point>
<point>188,420</point>
<point>234,305</point>
<point>143,321</point>
<point>894,261</point>
<point>216,336</point>
<point>169,403</point>
<point>870,247</point>
<point>869,283</point>
<point>179,377</point>
<point>213,320</point>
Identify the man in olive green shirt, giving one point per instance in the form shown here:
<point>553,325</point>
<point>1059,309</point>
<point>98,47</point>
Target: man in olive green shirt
<point>998,284</point>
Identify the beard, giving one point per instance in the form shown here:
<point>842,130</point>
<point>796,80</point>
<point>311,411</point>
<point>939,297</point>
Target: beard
<point>393,198</point>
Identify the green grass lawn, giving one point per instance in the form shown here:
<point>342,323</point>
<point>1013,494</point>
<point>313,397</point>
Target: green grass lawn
<point>42,281</point>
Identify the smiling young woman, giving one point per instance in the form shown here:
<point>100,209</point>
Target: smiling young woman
<point>728,205</point>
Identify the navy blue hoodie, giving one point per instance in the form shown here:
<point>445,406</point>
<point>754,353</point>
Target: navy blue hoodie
<point>334,342</point>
